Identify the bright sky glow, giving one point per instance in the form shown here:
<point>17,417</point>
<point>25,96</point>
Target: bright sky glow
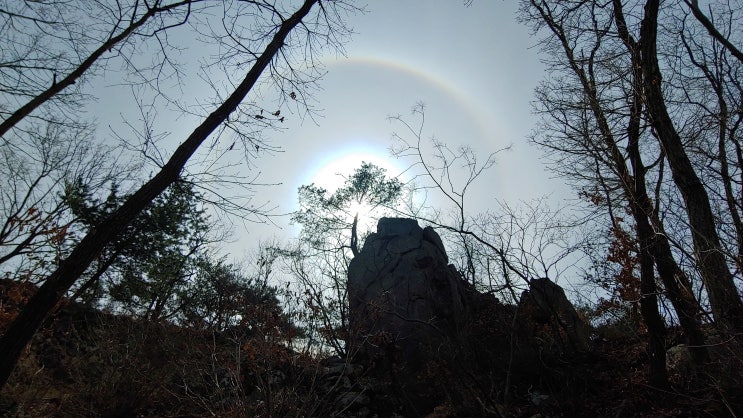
<point>475,69</point>
<point>332,172</point>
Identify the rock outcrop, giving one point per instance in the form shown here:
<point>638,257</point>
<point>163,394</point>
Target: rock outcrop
<point>545,302</point>
<point>418,325</point>
<point>401,287</point>
<point>406,304</point>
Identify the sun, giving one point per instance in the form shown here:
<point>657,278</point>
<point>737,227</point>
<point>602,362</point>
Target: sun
<point>360,209</point>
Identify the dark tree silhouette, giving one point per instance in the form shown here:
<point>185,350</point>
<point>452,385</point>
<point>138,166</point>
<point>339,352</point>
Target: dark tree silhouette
<point>70,269</point>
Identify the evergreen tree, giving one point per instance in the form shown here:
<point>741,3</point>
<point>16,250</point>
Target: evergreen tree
<point>148,264</point>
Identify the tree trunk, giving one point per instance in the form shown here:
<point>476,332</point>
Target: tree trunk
<point>658,375</point>
<point>683,301</point>
<point>56,284</point>
<point>726,304</point>
<point>355,235</point>
<point>678,291</point>
<point>648,298</point>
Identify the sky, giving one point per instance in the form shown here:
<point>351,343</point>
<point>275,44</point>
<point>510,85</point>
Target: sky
<point>473,67</point>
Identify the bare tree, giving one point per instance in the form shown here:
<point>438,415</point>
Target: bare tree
<point>725,301</point>
<point>36,172</point>
<point>614,126</point>
<point>710,26</point>
<point>309,26</point>
<point>710,85</point>
<point>56,42</point>
<point>499,250</point>
<point>598,114</point>
<point>54,47</point>
<point>588,115</point>
<point>318,281</point>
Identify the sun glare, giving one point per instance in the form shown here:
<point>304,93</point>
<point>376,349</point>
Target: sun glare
<point>333,174</point>
<point>361,209</point>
